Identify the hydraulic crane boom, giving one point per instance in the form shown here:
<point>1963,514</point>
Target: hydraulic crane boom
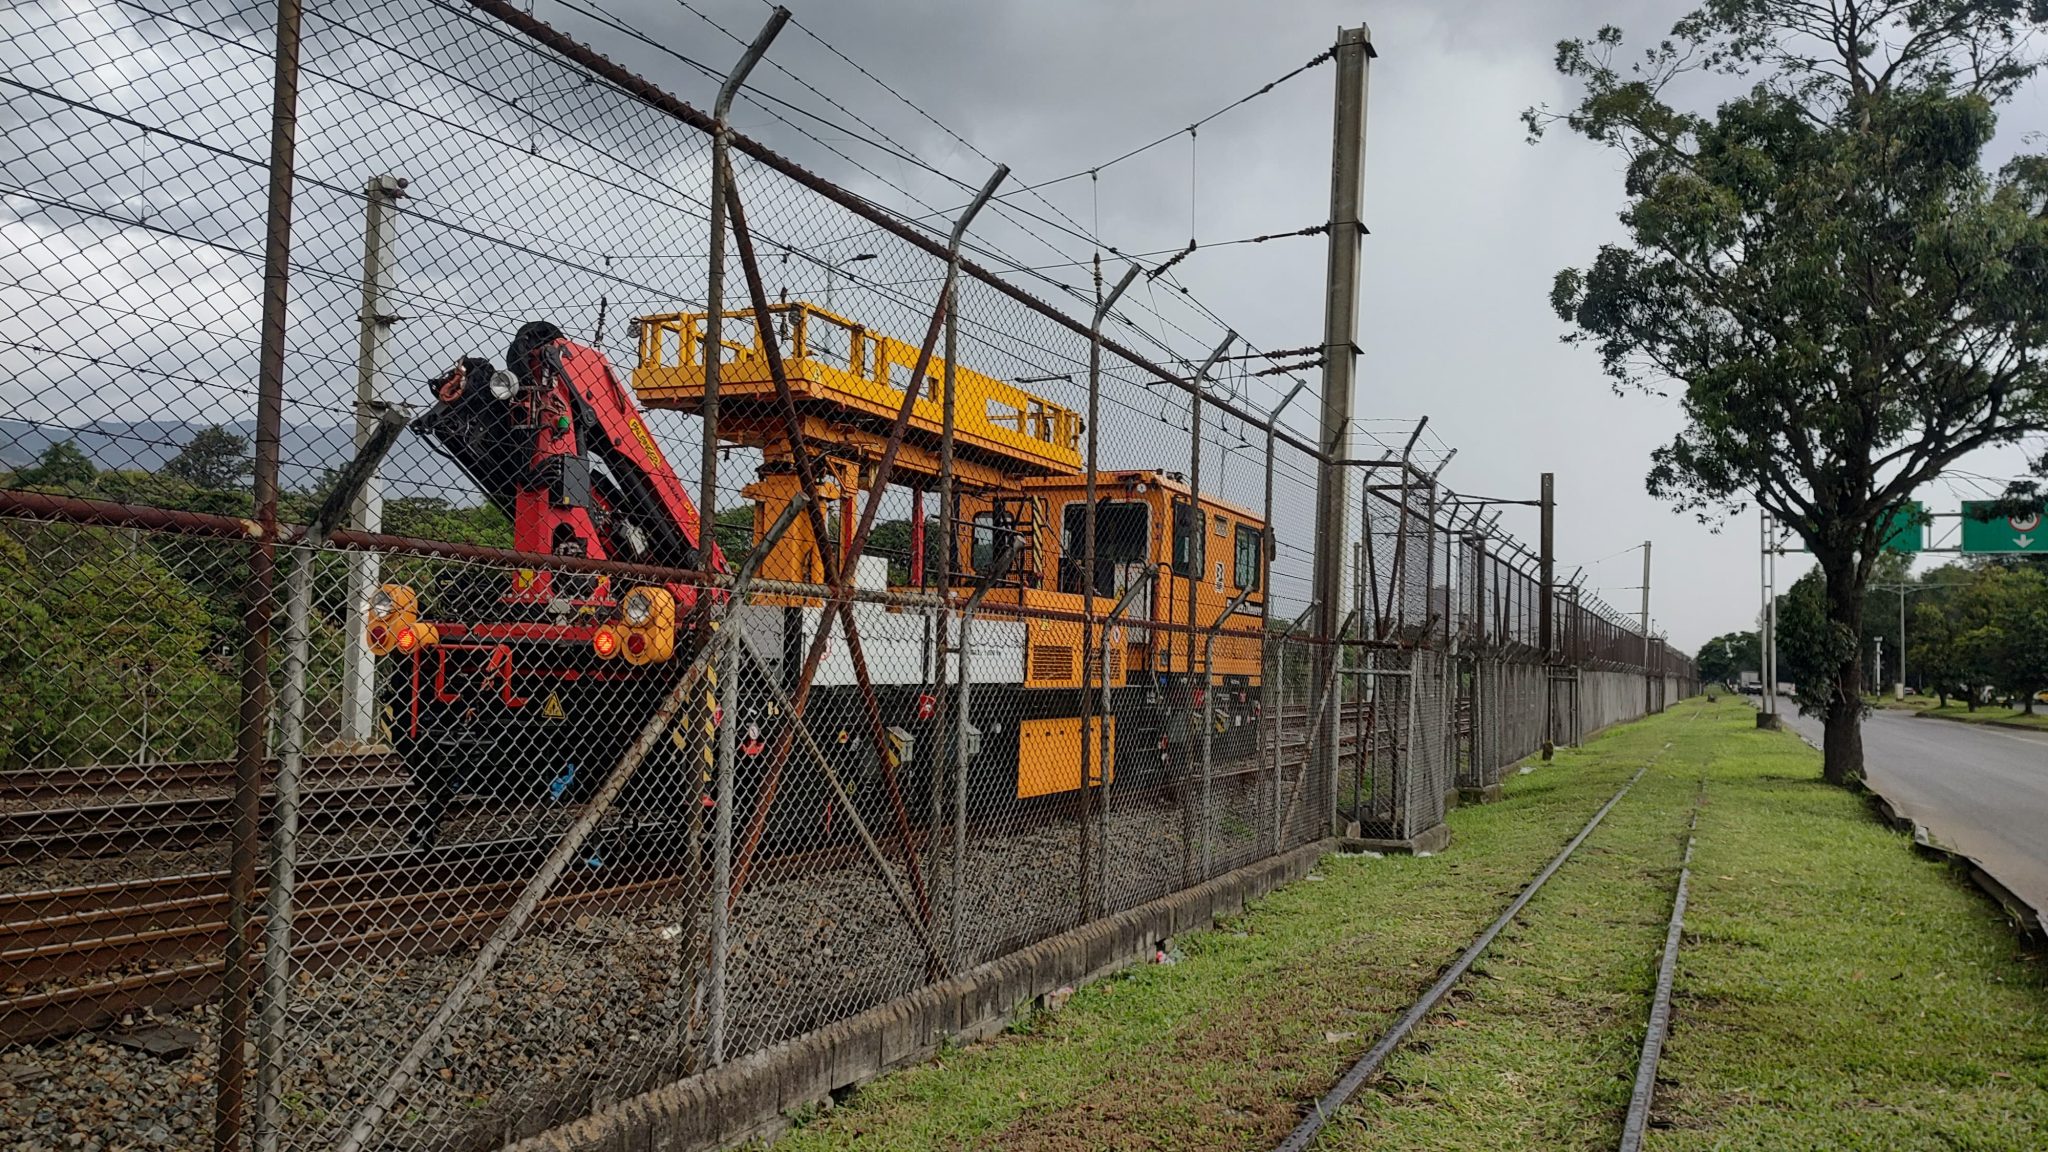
<point>528,435</point>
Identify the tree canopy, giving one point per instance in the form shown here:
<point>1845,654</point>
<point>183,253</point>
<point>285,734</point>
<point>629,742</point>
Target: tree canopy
<point>1727,656</point>
<point>62,465</point>
<point>214,459</point>
<point>1840,294</point>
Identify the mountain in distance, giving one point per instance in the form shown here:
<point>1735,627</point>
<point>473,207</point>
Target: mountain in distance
<point>413,468</point>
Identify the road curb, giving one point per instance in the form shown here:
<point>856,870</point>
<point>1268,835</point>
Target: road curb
<point>2023,916</point>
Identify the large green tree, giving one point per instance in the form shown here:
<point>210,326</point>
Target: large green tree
<point>1728,656</point>
<point>62,466</point>
<point>215,459</point>
<point>1822,269</point>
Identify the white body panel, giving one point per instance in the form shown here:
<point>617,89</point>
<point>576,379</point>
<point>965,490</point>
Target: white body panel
<point>897,645</point>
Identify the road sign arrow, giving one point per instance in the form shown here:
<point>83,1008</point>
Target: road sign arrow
<point>2023,540</point>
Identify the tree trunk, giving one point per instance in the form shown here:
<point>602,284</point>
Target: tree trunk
<point>1842,738</point>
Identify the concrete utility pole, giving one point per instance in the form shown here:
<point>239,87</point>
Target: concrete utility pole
<point>1899,688</point>
<point>1766,619</point>
<point>358,668</point>
<point>1340,351</point>
<point>1546,564</point>
<point>1649,696</point>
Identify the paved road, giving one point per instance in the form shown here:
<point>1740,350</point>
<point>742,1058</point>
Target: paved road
<point>1982,791</point>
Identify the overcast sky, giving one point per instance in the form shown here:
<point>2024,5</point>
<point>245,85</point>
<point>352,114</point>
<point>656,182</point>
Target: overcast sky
<point>1469,222</point>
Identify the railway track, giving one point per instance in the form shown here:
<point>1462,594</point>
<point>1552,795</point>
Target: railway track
<point>82,957</point>
<point>115,827</point>
<point>1319,1112</point>
<point>78,957</point>
<point>86,782</point>
<point>73,954</point>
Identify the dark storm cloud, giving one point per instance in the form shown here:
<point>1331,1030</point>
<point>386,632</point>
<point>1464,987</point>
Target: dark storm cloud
<point>535,196</point>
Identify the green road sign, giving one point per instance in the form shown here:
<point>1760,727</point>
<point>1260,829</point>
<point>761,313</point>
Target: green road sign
<point>1907,531</point>
<point>2021,533</point>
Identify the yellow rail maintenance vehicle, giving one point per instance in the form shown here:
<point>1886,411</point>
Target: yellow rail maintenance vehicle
<point>1019,494</point>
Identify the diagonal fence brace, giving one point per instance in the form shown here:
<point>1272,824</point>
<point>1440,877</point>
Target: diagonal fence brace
<point>566,849</point>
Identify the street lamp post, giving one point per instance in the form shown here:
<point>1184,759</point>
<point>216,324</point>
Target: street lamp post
<point>833,266</point>
<point>1905,590</point>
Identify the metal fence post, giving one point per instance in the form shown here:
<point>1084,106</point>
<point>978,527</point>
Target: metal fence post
<point>1285,641</point>
<point>714,289</point>
<point>1198,563</point>
<point>1095,714</point>
<point>707,519</point>
<point>238,976</point>
<point>1268,550</point>
<point>291,739</point>
<point>1209,726</point>
<point>998,567</point>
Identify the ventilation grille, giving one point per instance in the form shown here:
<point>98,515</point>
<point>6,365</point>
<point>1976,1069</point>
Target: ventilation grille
<point>1052,662</point>
<point>1116,664</point>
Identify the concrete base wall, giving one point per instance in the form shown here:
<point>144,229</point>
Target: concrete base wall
<point>749,1098</point>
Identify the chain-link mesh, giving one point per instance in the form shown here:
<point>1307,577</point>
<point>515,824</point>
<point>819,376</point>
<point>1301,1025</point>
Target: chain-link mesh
<point>425,716</point>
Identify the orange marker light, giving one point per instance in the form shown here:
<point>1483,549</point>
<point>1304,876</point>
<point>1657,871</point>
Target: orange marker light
<point>605,643</point>
<point>408,640</point>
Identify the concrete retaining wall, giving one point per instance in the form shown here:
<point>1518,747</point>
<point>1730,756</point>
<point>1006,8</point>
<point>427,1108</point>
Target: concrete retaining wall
<point>750,1097</point>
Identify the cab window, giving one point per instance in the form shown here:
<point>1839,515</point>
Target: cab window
<point>1249,541</point>
<point>1188,523</point>
<point>992,533</point>
<point>1123,537</point>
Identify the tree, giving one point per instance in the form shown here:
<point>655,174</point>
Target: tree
<point>1932,651</point>
<point>733,529</point>
<point>1934,660</point>
<point>2025,666</point>
<point>1728,656</point>
<point>62,465</point>
<point>104,654</point>
<point>2004,638</point>
<point>214,459</point>
<point>1844,298</point>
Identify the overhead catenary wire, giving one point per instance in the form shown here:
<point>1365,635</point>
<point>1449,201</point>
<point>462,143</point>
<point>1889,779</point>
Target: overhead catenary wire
<point>1071,227</point>
<point>1002,257</point>
<point>1092,169</point>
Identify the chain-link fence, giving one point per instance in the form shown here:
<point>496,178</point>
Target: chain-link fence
<point>391,756</point>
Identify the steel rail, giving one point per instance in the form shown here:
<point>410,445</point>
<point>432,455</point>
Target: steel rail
<point>1640,1097</point>
<point>107,829</point>
<point>1369,1064</point>
<point>77,948</point>
<point>87,781</point>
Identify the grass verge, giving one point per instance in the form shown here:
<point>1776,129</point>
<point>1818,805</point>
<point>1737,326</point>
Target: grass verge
<point>1836,991</point>
<point>1954,710</point>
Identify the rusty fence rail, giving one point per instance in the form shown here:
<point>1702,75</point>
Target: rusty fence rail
<point>514,593</point>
